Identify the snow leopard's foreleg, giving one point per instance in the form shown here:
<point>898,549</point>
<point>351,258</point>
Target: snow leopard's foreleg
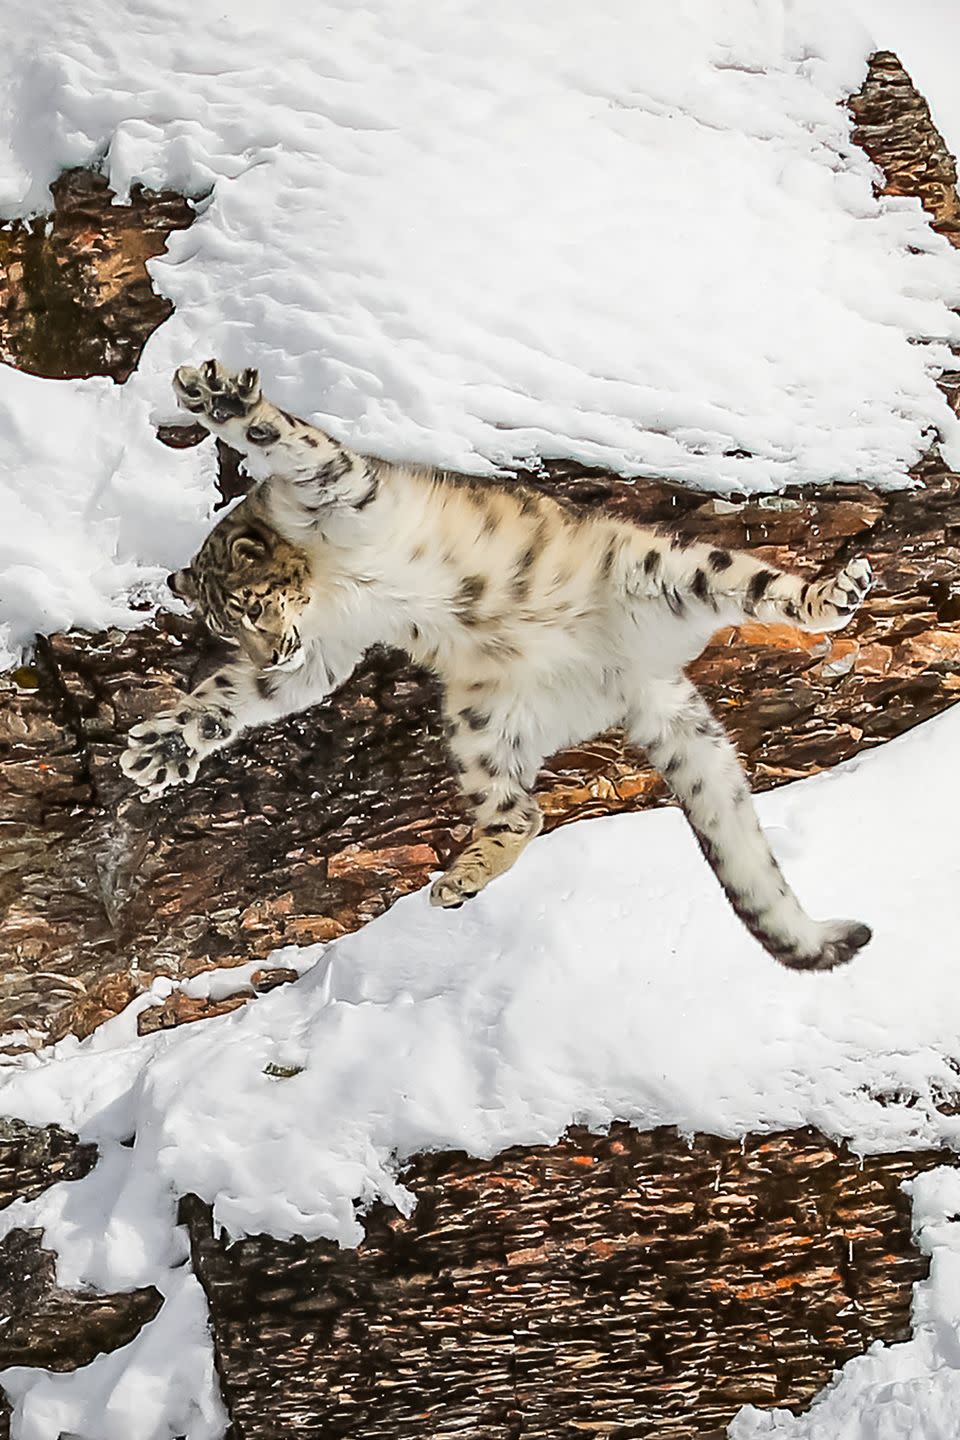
<point>730,586</point>
<point>496,766</point>
<point>671,721</point>
<point>309,472</point>
<point>168,749</point>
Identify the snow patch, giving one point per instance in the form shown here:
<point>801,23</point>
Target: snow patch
<point>95,510</point>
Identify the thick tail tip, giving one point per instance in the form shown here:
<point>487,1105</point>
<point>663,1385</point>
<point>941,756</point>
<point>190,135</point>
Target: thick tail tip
<point>841,941</point>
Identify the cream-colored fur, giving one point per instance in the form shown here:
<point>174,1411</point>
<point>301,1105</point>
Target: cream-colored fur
<point>544,626</point>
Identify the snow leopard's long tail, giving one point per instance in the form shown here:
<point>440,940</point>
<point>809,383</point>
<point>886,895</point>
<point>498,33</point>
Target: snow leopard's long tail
<point>672,722</point>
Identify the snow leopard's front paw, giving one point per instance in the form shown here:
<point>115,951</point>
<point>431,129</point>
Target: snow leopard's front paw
<point>832,602</point>
<point>159,756</point>
<point>216,394</point>
<point>168,749</point>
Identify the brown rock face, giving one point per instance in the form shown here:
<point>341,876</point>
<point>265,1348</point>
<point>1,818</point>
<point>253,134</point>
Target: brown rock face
<point>58,1329</point>
<point>895,128</point>
<point>75,296</point>
<point>32,1160</point>
<point>892,122</point>
<point>627,1285</point>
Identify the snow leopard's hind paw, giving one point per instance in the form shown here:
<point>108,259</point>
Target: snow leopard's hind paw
<point>219,394</point>
<point>456,886</point>
<point>832,602</point>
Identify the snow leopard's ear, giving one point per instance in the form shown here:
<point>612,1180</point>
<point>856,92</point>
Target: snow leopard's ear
<point>248,383</point>
<point>247,549</point>
<point>183,584</point>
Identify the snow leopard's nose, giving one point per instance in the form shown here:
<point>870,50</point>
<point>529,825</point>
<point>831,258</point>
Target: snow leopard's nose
<point>182,584</point>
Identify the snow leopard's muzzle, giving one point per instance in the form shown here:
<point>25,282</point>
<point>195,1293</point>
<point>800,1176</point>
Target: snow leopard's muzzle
<point>259,625</point>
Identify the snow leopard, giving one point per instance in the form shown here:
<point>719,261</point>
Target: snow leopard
<point>545,625</point>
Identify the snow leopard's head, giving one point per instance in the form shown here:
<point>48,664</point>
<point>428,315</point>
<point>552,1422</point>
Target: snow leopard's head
<point>249,587</point>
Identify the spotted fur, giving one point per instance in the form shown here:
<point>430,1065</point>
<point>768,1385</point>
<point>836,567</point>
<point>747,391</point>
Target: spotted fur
<point>544,627</point>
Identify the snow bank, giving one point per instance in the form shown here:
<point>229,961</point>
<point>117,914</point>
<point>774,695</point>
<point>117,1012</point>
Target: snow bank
<point>604,977</point>
<point>473,235</point>
<point>94,510</point>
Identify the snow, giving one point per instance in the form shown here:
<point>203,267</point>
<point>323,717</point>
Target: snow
<point>83,484</point>
<point>581,987</point>
<point>473,235</point>
<point>480,236</point>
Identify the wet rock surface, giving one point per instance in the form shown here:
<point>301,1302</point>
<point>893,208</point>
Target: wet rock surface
<point>75,295</point>
<point>628,1285</point>
<point>621,1286</point>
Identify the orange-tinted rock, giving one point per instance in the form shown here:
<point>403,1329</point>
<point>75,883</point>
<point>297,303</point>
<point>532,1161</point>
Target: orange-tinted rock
<point>180,1009</point>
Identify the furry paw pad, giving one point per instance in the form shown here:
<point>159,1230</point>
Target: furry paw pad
<point>838,598</point>
<point>215,393</point>
<point>457,885</point>
<point>159,755</point>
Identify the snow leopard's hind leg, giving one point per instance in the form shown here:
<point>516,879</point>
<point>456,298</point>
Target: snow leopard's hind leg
<point>671,721</point>
<point>730,586</point>
<point>495,770</point>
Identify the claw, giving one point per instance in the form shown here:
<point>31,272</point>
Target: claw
<point>214,392</point>
<point>212,375</point>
